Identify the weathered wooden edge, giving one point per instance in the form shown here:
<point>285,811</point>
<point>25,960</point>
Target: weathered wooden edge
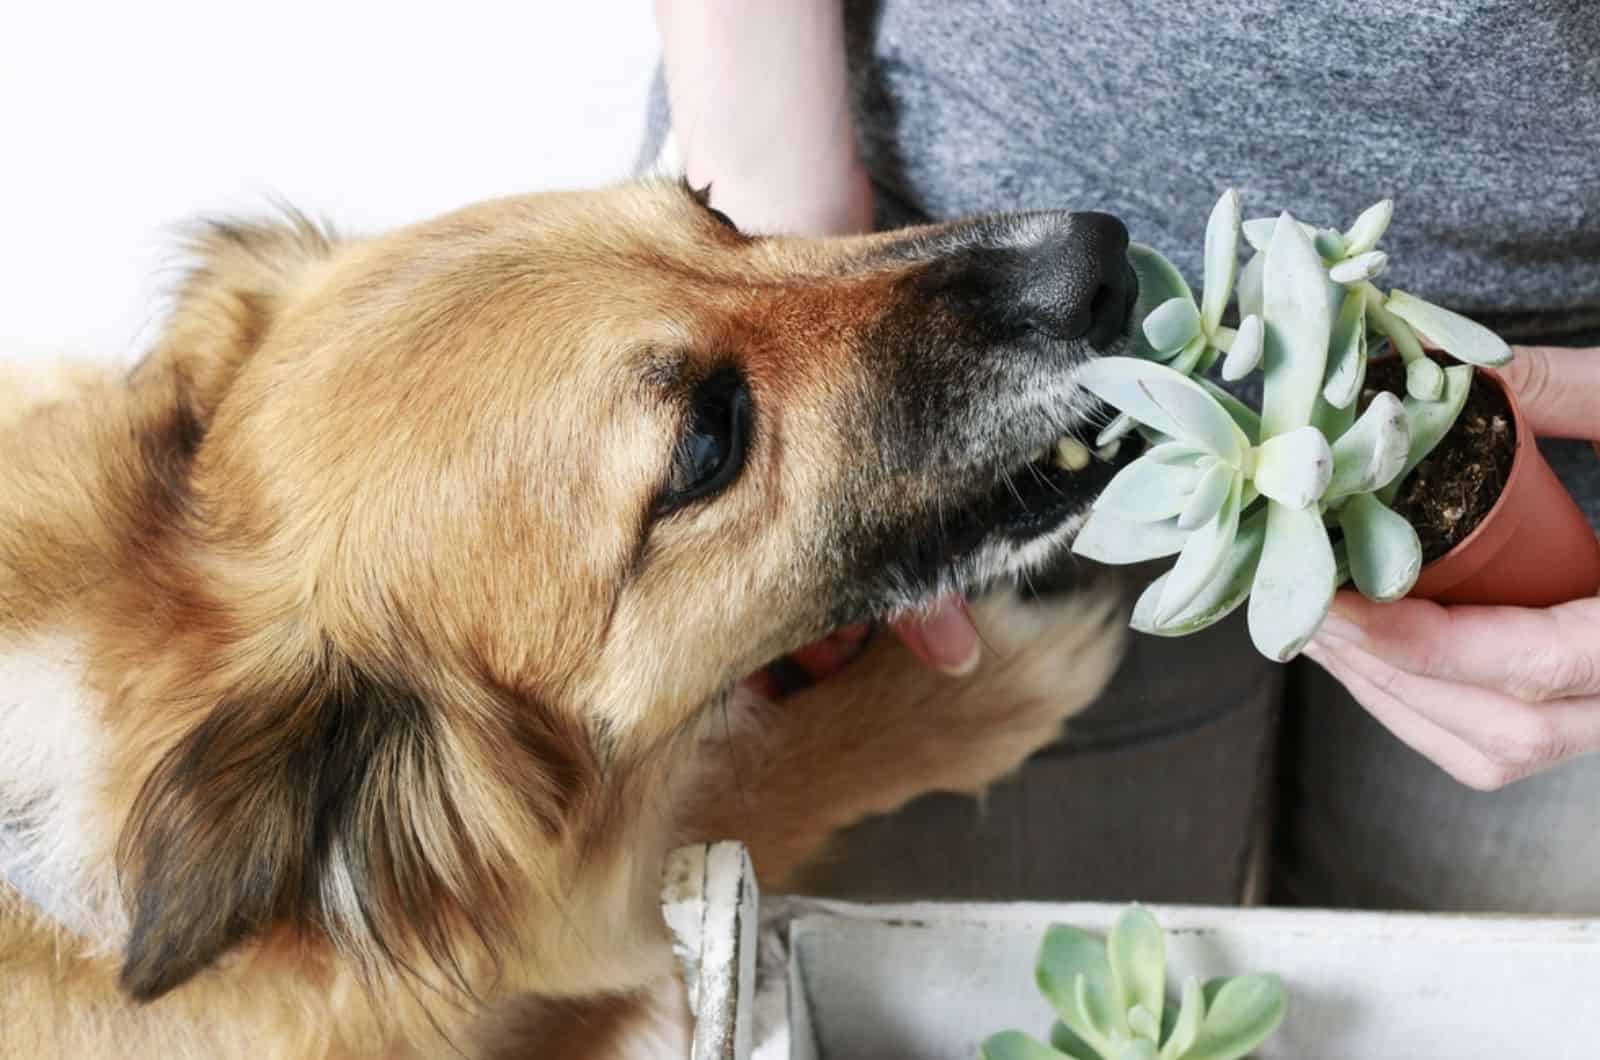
<point>711,904</point>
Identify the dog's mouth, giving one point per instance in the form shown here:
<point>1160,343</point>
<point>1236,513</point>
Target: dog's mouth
<point>1025,517</point>
<point>1025,513</point>
<point>1058,482</point>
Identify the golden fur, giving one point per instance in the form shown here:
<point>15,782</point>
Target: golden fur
<point>394,688</point>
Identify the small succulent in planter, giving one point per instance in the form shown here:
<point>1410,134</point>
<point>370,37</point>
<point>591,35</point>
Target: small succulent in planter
<point>1245,500</point>
<point>1110,997</point>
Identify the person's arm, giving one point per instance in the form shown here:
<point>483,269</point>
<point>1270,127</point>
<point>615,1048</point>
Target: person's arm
<point>1490,694</point>
<point>761,111</point>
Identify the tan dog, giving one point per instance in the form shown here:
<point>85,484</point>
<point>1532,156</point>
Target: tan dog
<point>364,651</point>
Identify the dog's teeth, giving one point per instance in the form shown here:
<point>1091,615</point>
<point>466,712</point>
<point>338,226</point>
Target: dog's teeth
<point>1109,451</point>
<point>1072,454</point>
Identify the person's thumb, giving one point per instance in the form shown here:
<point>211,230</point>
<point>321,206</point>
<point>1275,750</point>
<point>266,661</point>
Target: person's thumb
<point>1558,388</point>
<point>944,639</point>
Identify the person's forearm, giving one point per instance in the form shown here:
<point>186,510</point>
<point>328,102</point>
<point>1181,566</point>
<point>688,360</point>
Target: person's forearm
<point>761,111</point>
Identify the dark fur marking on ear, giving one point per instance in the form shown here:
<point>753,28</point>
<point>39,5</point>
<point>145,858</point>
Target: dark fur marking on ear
<point>301,807</point>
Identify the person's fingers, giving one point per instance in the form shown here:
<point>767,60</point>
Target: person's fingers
<point>1534,654</point>
<point>1441,747</point>
<point>944,638</point>
<point>1509,738</point>
<point>1558,389</point>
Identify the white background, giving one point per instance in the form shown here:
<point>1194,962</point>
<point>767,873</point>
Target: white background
<point>120,120</point>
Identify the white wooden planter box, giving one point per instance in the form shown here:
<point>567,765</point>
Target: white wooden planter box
<point>836,981</point>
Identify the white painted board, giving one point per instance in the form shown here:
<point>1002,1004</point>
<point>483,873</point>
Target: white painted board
<point>932,981</point>
<point>709,900</point>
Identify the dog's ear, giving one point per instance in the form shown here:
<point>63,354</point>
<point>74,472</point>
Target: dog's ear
<point>241,275</point>
<point>325,805</point>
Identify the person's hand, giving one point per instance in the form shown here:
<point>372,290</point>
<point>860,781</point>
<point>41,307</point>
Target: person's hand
<point>1489,694</point>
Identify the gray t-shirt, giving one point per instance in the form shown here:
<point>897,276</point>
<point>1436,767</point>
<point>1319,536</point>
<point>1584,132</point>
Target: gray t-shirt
<point>1481,118</point>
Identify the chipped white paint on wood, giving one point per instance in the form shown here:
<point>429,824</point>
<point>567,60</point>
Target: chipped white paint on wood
<point>710,901</point>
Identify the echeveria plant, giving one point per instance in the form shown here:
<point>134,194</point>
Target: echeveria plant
<point>1110,997</point>
<point>1246,500</point>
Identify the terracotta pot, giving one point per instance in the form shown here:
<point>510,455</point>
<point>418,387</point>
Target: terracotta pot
<point>1535,548</point>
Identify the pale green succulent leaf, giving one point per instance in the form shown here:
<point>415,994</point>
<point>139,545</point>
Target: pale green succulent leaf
<point>1464,339</point>
<point>1138,954</point>
<point>1242,1015</point>
<point>1165,400</point>
<point>1258,231</point>
<point>1159,281</point>
<point>1229,588</point>
<point>1368,228</point>
<point>1105,1015</point>
<point>1171,325</point>
<point>1398,331</point>
<point>1178,453</point>
<point>1190,358</point>
<point>1208,496</point>
<point>1328,243</point>
<point>1331,420</point>
<point>1383,551</point>
<point>1424,379</point>
<point>1298,326</point>
<point>1247,418</point>
<point>1244,355</point>
<point>1186,1028</point>
<point>1221,259</point>
<point>1143,1024</point>
<point>1294,468</point>
<point>1429,422</point>
<point>1065,1040</point>
<point>1203,556</point>
<point>1150,489</point>
<point>1360,267</point>
<point>1247,288</point>
<point>1118,429</point>
<point>1014,1045</point>
<point>1294,583</point>
<point>1373,451</point>
<point>1136,1049</point>
<point>1341,563</point>
<point>1347,353</point>
<point>1074,975</point>
<point>1106,538</point>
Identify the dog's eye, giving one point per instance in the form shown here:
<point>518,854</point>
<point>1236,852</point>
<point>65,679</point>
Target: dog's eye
<point>711,450</point>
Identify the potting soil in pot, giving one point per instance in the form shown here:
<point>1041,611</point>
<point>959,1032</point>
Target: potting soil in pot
<point>1450,492</point>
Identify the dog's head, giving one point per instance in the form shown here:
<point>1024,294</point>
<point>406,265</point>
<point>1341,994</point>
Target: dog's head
<point>456,530</point>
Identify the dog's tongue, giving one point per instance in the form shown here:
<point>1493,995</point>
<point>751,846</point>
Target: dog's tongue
<point>945,638</point>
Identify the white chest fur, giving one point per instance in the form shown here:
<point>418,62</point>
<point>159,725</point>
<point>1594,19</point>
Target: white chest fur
<point>53,845</point>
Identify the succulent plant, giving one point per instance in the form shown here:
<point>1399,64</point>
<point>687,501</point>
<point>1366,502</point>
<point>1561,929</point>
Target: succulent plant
<point>1246,501</point>
<point>1110,997</point>
<point>1178,330</point>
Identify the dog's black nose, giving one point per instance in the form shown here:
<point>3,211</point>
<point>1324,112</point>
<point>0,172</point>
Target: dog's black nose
<point>1061,275</point>
<point>1077,281</point>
